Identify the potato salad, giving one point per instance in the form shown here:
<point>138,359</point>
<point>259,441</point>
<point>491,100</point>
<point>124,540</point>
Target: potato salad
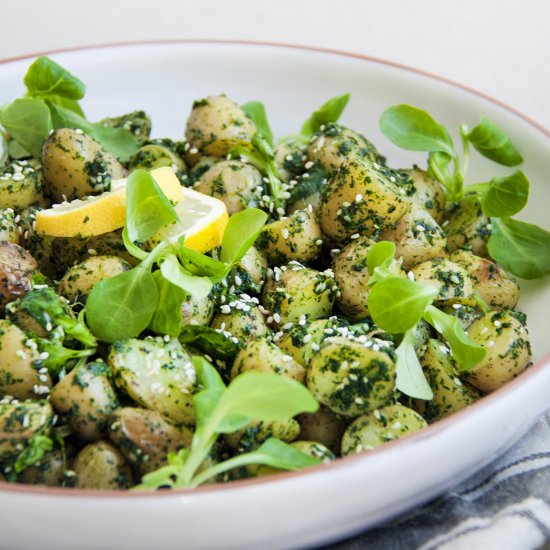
<point>226,304</point>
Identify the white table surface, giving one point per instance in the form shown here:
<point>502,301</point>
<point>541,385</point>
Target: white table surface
<point>499,47</point>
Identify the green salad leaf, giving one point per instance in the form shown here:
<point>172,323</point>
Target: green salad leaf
<point>147,207</point>
<point>502,197</point>
<point>491,142</point>
<point>330,111</point>
<point>521,248</point>
<point>414,129</point>
<point>410,378</point>
<point>249,396</point>
<point>256,111</point>
<point>28,121</point>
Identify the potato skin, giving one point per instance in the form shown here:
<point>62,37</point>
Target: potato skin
<point>468,228</point>
<point>350,378</point>
<point>75,165</point>
<point>101,465</point>
<point>20,186</point>
<point>450,394</point>
<point>145,437</point>
<point>87,398</point>
<point>79,280</point>
<point>508,352</point>
<point>260,355</point>
<point>429,193</point>
<point>216,124</point>
<point>295,291</point>
<point>21,372</point>
<point>417,237</point>
<point>453,282</point>
<point>16,268</point>
<point>494,285</point>
<point>332,145</point>
<point>296,237</point>
<point>377,427</point>
<point>360,198</point>
<point>232,182</point>
<point>324,427</point>
<point>243,325</point>
<point>19,423</point>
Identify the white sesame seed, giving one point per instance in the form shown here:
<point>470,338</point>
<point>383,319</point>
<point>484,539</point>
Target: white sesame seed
<point>308,165</point>
<point>225,309</point>
<point>276,317</point>
<point>457,306</point>
<point>307,338</point>
<point>355,236</point>
<point>454,279</point>
<point>396,425</point>
<point>420,228</point>
<point>377,414</point>
<point>457,382</point>
<point>359,400</point>
<point>358,197</point>
<point>490,344</point>
<point>238,280</point>
<point>285,233</point>
<point>319,242</point>
<point>193,151</point>
<point>497,324</point>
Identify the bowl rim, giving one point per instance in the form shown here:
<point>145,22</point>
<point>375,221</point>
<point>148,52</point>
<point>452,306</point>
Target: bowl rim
<point>431,431</point>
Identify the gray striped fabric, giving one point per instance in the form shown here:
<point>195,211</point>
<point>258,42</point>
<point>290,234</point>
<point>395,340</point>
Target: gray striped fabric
<point>506,506</point>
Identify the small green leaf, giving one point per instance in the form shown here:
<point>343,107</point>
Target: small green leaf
<point>37,447</point>
<point>147,207</point>
<point>209,377</point>
<point>210,341</point>
<point>491,142</point>
<point>330,111</point>
<point>503,197</point>
<point>29,122</point>
<point>273,452</point>
<point>240,234</point>
<point>414,129</point>
<point>46,78</point>
<point>264,396</point>
<point>521,248</point>
<point>167,316</point>
<point>118,141</point>
<point>381,254</point>
<point>396,305</point>
<point>410,378</point>
<point>122,306</point>
<point>198,287</point>
<point>199,264</point>
<point>256,111</point>
<point>464,350</point>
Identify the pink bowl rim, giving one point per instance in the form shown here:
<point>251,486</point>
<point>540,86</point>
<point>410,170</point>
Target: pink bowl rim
<point>430,431</point>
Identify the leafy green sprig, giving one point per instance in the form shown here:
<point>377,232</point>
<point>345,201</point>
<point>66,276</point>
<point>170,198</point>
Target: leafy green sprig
<point>521,248</point>
<point>262,155</point>
<point>51,102</point>
<point>397,305</point>
<point>223,410</point>
<point>146,297</point>
<point>52,313</point>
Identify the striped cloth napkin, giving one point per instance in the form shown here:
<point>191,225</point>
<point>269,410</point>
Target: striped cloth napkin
<point>505,506</point>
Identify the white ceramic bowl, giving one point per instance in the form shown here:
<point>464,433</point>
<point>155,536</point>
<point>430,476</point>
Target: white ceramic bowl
<point>327,502</point>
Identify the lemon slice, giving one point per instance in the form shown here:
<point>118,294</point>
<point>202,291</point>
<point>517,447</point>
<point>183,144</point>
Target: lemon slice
<point>202,221</point>
<point>101,213</point>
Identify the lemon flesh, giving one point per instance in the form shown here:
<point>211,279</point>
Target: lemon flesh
<point>202,219</point>
<point>99,214</point>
